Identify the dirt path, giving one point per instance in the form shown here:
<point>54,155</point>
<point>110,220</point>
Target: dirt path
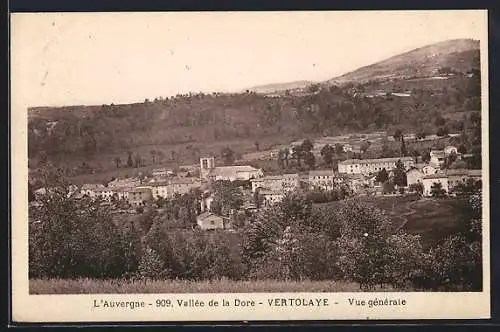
<point>406,214</point>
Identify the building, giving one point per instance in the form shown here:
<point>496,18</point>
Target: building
<point>170,188</point>
<point>323,179</point>
<point>414,176</point>
<point>369,166</point>
<point>90,190</point>
<point>429,180</point>
<point>206,165</point>
<point>161,172</point>
<point>437,158</point>
<point>209,171</point>
<point>283,182</point>
<point>429,170</point>
<point>270,197</point>
<point>460,176</point>
<point>139,196</point>
<point>209,221</point>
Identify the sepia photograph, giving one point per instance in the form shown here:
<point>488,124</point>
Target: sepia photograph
<point>250,153</point>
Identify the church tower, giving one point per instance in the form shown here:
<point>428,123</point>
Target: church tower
<point>206,166</point>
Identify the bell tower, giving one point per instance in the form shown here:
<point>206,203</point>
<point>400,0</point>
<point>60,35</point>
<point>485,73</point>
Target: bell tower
<point>206,165</point>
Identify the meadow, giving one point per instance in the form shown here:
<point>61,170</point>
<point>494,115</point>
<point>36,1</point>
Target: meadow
<point>124,286</point>
<point>430,218</point>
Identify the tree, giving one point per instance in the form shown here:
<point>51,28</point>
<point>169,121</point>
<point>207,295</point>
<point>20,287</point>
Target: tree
<point>421,134</point>
<point>309,159</point>
<point>404,152</point>
<point>442,131</point>
<point>297,153</point>
<point>150,266</point>
<point>339,149</point>
<point>130,162</point>
<point>327,153</point>
<point>307,145</point>
<point>227,156</point>
<point>257,145</point>
<point>382,176</point>
<point>417,188</point>
<point>153,154</point>
<point>437,190</point>
<point>118,162</point>
<point>426,156</point>
<point>397,134</point>
<point>364,146</point>
<point>440,121</point>
<point>399,177</point>
<point>137,160</point>
<point>227,197</point>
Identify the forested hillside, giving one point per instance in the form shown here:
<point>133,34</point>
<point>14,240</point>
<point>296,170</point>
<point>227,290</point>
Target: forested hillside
<point>186,126</point>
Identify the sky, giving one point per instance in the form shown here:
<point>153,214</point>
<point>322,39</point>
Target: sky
<point>102,58</point>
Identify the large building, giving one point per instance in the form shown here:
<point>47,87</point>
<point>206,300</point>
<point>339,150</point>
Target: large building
<point>323,179</point>
<point>209,171</point>
<point>369,166</point>
<point>170,188</point>
<point>283,182</point>
<point>139,196</point>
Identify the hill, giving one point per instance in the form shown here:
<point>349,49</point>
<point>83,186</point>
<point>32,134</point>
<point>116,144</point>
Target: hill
<point>457,55</point>
<point>178,130</point>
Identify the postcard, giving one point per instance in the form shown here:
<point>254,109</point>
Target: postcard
<point>249,166</point>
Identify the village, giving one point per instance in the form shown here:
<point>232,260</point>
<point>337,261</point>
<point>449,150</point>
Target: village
<point>352,177</point>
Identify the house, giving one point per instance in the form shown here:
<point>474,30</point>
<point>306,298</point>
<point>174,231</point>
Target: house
<point>104,193</point>
<point>429,180</point>
<point>321,179</point>
<point>209,221</point>
<point>283,182</point>
<point>271,197</point>
<point>429,170</point>
<point>459,176</point>
<point>139,196</point>
<point>437,158</point>
<point>161,172</point>
<point>369,166</point>
<point>414,176</point>
<point>209,171</point>
<point>173,186</point>
<point>91,189</point>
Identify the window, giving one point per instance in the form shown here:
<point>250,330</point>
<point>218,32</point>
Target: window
<point>212,222</point>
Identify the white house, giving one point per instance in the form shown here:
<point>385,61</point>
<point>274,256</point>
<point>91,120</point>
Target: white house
<point>437,157</point>
<point>429,180</point>
<point>209,221</point>
<point>414,176</point>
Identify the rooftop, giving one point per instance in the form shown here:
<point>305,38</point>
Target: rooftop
<point>321,172</point>
<point>277,177</point>
<point>374,161</point>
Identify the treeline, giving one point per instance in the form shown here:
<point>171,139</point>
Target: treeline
<point>71,238</point>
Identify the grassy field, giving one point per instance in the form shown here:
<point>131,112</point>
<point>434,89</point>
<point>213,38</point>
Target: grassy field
<point>433,219</point>
<point>94,286</point>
